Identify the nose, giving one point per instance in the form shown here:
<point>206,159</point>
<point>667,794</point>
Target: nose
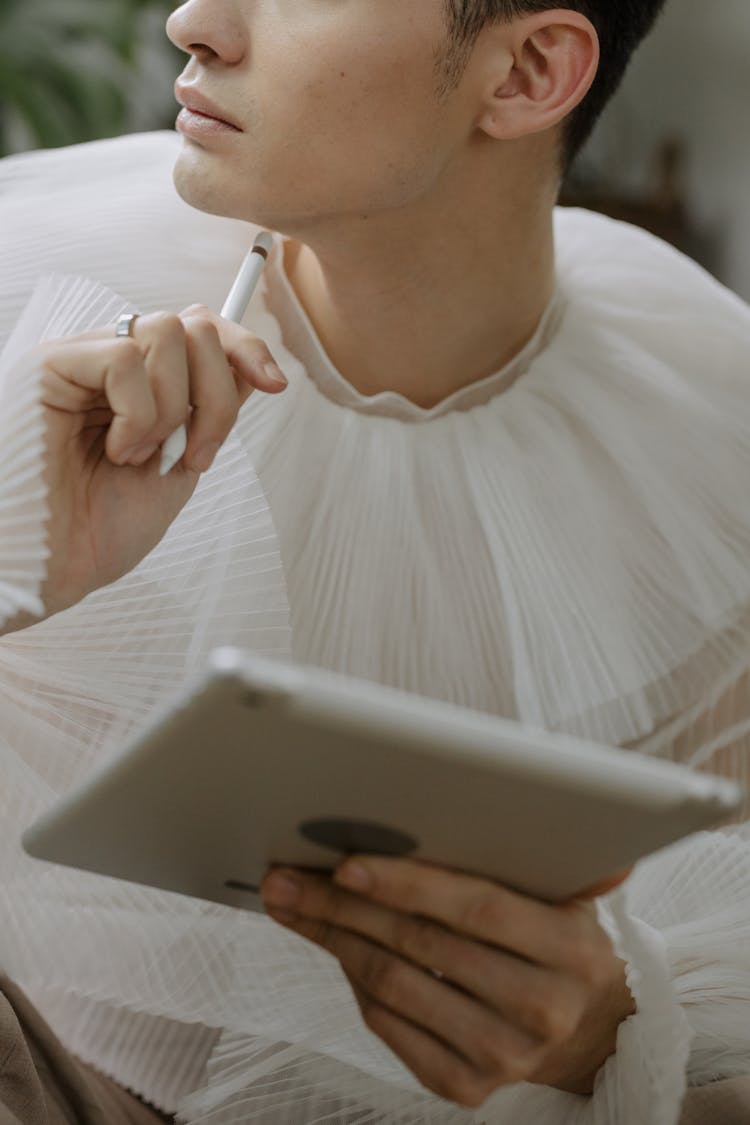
<point>209,29</point>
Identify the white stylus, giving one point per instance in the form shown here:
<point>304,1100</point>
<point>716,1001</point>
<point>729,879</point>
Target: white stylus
<point>234,309</point>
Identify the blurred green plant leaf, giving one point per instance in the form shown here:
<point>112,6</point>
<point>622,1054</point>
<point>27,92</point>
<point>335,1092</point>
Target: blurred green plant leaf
<point>77,70</point>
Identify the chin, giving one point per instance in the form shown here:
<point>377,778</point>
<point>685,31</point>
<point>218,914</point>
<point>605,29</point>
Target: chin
<point>206,188</point>
<point>198,187</point>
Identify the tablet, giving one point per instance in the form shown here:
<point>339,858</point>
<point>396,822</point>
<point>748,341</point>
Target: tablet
<point>263,762</point>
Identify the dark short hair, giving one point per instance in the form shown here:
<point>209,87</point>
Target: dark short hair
<point>620,25</point>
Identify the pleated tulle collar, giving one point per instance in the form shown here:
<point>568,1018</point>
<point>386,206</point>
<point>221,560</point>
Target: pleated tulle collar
<point>302,340</point>
<point>603,492</point>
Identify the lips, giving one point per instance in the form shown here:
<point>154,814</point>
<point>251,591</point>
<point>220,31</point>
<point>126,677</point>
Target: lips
<point>196,102</point>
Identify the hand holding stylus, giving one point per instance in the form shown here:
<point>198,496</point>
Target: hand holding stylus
<point>111,404</point>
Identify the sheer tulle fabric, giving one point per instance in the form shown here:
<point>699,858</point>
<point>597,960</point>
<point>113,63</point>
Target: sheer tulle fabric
<point>75,686</point>
<point>571,552</point>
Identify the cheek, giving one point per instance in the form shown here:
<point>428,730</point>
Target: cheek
<point>356,140</point>
<point>326,137</point>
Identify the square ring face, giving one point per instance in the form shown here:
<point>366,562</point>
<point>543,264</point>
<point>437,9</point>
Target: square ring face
<point>126,325</point>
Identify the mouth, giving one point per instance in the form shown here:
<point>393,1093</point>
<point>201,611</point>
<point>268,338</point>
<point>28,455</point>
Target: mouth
<point>198,107</point>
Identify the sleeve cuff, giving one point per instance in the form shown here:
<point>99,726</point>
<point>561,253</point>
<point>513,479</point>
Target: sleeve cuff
<point>646,1079</point>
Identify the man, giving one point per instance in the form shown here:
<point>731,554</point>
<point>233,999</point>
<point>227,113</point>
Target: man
<point>412,155</point>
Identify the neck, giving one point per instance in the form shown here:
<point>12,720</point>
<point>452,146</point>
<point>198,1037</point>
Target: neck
<point>426,303</point>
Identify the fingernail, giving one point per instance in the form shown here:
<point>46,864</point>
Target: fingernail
<point>204,458</point>
<point>354,876</point>
<point>281,890</point>
<point>275,373</point>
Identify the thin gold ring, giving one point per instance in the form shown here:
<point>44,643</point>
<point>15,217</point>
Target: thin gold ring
<point>125,324</point>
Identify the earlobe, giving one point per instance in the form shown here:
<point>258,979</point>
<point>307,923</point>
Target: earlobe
<point>555,60</point>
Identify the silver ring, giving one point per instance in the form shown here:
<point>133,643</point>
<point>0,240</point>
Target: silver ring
<point>125,324</point>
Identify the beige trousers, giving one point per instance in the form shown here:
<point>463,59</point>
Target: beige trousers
<point>42,1084</point>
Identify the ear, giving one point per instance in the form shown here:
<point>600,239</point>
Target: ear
<point>549,61</point>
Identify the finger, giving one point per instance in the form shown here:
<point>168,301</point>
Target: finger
<point>248,355</point>
<point>79,375</point>
<point>213,393</point>
<point>461,1022</point>
<point>161,338</point>
<point>432,1062</point>
<point>467,904</point>
<point>544,1003</point>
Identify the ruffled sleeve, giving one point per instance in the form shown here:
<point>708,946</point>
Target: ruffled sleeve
<point>73,687</point>
<point>23,494</point>
<point>683,926</point>
<point>58,306</point>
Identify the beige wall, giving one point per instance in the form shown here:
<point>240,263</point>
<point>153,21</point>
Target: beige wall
<point>692,79</point>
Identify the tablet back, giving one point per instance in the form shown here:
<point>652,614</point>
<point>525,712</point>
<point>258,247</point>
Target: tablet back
<point>263,762</point>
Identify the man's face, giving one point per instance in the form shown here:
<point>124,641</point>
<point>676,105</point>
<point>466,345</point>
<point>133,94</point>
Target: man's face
<point>336,99</point>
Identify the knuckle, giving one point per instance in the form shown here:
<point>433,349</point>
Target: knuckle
<point>560,1023</point>
<point>412,936</point>
<point>593,958</point>
<point>503,1067</point>
<point>458,1084</point>
<point>260,351</point>
<point>127,355</point>
<point>383,978</point>
<point>535,1017</point>
<point>483,914</point>
<point>167,326</point>
<point>516,1068</point>
<point>493,1059</point>
<point>541,1011</point>
<point>201,328</point>
<point>552,1014</point>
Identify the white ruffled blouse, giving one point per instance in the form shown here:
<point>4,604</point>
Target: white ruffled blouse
<point>565,543</point>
